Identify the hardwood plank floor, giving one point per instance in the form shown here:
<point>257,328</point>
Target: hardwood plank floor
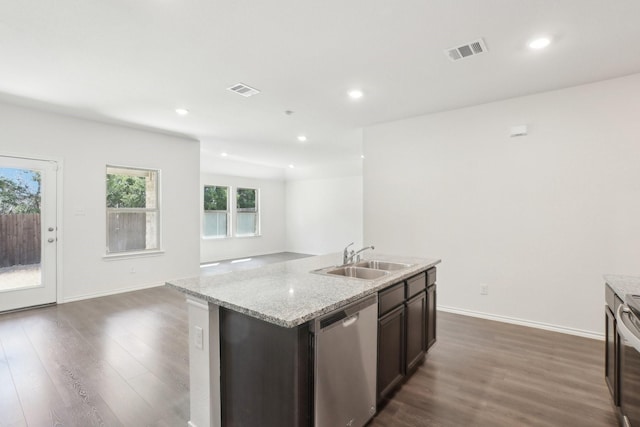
<point>486,373</point>
<point>122,360</point>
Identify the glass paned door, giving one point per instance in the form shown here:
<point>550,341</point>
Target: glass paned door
<point>28,231</point>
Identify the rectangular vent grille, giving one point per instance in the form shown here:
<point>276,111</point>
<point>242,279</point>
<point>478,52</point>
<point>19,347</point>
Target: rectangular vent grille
<point>474,48</point>
<point>243,89</point>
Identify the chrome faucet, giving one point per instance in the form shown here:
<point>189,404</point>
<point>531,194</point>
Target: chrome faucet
<point>349,257</point>
<point>346,254</point>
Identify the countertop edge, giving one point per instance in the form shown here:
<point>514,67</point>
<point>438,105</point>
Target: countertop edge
<point>386,282</point>
<point>623,284</point>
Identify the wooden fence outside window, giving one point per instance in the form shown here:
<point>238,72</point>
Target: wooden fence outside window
<point>19,239</point>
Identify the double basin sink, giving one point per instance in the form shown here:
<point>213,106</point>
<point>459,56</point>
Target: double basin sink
<point>367,270</point>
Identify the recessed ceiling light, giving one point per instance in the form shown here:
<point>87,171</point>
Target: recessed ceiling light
<point>291,166</point>
<point>362,156</point>
<point>224,154</point>
<point>182,111</point>
<point>540,43</point>
<point>302,138</point>
<point>355,94</point>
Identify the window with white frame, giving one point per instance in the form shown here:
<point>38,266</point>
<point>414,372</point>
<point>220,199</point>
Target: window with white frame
<point>216,211</point>
<point>133,210</point>
<point>247,214</point>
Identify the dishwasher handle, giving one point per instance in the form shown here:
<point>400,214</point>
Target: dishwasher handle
<point>350,320</point>
<point>348,315</point>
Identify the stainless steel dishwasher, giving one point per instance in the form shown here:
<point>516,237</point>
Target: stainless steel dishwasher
<point>346,342</point>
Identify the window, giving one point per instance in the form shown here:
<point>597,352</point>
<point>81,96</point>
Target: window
<point>133,210</point>
<point>216,211</point>
<point>247,220</point>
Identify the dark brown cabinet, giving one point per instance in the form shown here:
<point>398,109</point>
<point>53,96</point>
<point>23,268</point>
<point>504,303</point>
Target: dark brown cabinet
<point>431,309</point>
<point>403,329</point>
<point>265,372</point>
<point>416,309</point>
<point>391,359</point>
<point>612,346</point>
<point>431,316</point>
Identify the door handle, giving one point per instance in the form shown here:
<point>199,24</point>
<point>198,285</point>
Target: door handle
<point>51,240</point>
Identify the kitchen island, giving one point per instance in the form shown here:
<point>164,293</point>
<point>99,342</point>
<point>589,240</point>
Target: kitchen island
<point>279,301</point>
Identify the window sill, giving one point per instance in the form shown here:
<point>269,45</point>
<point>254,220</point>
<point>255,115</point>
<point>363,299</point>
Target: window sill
<point>215,237</point>
<point>231,237</point>
<point>129,255</point>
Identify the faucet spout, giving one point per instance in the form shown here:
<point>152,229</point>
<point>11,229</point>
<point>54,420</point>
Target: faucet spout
<point>352,256</point>
<point>364,249</point>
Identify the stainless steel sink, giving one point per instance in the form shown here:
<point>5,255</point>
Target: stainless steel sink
<point>382,265</point>
<point>368,269</point>
<point>357,272</point>
<point>352,271</point>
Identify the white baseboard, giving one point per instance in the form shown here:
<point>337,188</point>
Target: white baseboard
<point>522,322</point>
<point>111,292</point>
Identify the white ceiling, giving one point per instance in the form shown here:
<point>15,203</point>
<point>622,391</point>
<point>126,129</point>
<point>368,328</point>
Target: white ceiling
<point>135,61</point>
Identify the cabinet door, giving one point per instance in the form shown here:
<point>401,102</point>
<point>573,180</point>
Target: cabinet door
<point>416,329</point>
<point>611,360</point>
<point>264,377</point>
<point>431,316</point>
<point>391,358</point>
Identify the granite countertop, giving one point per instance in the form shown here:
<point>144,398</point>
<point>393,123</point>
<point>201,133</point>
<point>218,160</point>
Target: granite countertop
<point>288,294</point>
<point>623,285</point>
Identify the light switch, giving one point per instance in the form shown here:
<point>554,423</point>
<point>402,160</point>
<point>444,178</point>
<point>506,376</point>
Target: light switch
<point>197,337</point>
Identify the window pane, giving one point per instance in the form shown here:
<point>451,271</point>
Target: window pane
<point>132,200</point>
<point>19,191</point>
<point>247,212</point>
<point>132,231</point>
<point>215,224</point>
<point>246,198</point>
<point>131,188</point>
<point>20,238</point>
<point>215,198</point>
<point>247,224</point>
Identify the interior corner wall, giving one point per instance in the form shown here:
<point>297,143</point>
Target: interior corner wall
<point>538,218</point>
<point>85,148</point>
<point>324,215</point>
<point>271,213</point>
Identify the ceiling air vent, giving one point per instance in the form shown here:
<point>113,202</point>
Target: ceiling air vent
<point>473,48</point>
<point>243,89</point>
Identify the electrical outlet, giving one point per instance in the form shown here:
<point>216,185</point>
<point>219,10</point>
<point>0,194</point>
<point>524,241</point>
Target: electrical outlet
<point>132,270</point>
<point>484,289</point>
<point>197,337</point>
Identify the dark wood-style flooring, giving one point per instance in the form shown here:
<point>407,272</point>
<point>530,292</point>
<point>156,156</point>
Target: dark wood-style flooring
<point>487,373</point>
<point>123,360</point>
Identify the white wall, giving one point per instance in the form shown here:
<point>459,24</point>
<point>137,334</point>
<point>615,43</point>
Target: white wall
<point>538,218</point>
<point>86,147</point>
<point>324,215</point>
<point>271,206</point>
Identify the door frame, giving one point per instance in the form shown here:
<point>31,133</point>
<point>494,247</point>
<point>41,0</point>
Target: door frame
<point>59,197</point>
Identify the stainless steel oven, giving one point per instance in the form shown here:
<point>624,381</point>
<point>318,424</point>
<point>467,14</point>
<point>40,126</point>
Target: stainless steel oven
<point>628,322</point>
